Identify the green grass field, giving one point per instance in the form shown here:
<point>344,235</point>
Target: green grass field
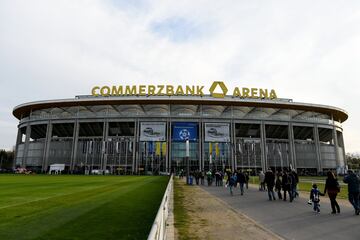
<point>78,207</point>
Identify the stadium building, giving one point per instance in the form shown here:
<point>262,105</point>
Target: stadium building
<point>143,129</point>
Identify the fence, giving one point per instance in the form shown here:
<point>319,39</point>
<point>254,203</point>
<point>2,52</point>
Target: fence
<point>158,229</point>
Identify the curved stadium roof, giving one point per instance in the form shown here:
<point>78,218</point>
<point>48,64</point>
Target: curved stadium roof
<point>339,114</point>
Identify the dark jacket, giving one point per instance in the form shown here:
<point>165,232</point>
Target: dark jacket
<point>241,177</point>
<point>353,183</point>
<point>315,195</point>
<point>296,176</point>
<point>331,186</point>
<point>278,184</point>
<point>292,180</point>
<point>285,183</point>
<point>270,179</point>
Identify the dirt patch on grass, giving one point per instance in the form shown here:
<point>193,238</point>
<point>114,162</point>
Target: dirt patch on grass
<point>199,215</point>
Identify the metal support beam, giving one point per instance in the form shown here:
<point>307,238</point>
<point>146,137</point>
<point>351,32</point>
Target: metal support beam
<point>134,148</point>
<point>18,142</point>
<point>317,147</point>
<point>75,144</point>
<point>233,146</point>
<point>47,146</point>
<point>264,162</point>
<point>201,145</point>
<point>292,146</point>
<point>169,147</point>
<point>137,145</point>
<point>336,147</point>
<point>26,148</point>
<point>104,149</point>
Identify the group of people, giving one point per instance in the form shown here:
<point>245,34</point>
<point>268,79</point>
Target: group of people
<point>285,183</point>
<point>332,188</point>
<point>212,176</point>
<point>237,178</point>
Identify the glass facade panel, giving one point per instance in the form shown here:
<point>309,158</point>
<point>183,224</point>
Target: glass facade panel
<point>277,154</point>
<point>305,154</point>
<point>60,151</point>
<point>248,153</point>
<point>217,156</point>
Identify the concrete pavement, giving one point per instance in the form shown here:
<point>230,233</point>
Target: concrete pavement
<point>294,220</point>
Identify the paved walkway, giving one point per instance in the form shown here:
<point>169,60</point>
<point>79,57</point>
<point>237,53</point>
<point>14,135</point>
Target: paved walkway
<point>294,220</point>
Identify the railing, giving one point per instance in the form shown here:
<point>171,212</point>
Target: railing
<point>158,229</point>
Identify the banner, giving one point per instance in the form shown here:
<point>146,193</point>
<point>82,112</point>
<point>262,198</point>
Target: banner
<point>152,131</point>
<point>217,149</point>
<point>163,149</point>
<point>184,130</point>
<point>217,132</point>
<point>157,149</point>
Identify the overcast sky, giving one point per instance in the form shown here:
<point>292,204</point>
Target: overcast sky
<point>306,50</point>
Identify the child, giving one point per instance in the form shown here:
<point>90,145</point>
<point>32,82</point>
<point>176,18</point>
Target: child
<point>315,198</point>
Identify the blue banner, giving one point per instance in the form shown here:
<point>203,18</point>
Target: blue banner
<point>184,130</point>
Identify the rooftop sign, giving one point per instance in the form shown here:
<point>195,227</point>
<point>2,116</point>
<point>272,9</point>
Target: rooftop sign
<point>217,90</point>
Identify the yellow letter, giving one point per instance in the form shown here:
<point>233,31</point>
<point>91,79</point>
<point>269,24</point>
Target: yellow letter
<point>151,90</point>
<point>161,87</point>
<point>254,92</point>
<point>236,92</point>
<point>199,90</point>
<point>179,90</point>
<point>105,91</point>
<point>117,91</point>
<point>130,90</point>
<point>273,94</point>
<point>245,92</point>
<point>169,90</point>
<point>190,90</point>
<point>264,93</point>
<point>142,89</point>
<point>93,91</point>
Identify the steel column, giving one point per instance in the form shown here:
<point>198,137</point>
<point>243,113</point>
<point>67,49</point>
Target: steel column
<point>292,146</point>
<point>264,162</point>
<point>47,146</point>
<point>317,146</point>
<point>26,147</point>
<point>74,145</point>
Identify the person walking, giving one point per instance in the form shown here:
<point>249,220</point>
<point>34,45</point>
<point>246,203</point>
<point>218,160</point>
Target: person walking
<point>315,198</point>
<point>197,177</point>
<point>270,182</point>
<point>285,184</point>
<point>353,189</point>
<point>232,182</point>
<point>247,180</point>
<point>296,178</point>
<point>262,181</point>
<point>241,180</point>
<point>202,177</point>
<point>292,185</point>
<point>278,185</point>
<point>332,188</point>
<point>217,178</point>
<point>209,178</point>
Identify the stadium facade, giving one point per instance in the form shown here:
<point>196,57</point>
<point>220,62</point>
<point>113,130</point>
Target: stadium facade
<point>142,129</point>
